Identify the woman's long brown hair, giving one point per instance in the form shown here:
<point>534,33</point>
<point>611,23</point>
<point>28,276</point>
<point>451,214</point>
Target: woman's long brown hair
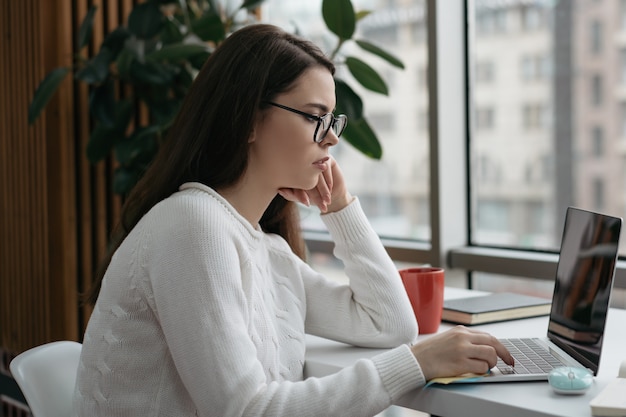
<point>208,141</point>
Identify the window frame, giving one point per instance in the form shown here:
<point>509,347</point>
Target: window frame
<point>449,77</point>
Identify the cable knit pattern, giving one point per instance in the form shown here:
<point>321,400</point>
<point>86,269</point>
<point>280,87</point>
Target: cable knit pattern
<point>202,314</point>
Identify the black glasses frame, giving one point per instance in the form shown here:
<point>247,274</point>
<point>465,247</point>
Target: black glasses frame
<point>341,118</point>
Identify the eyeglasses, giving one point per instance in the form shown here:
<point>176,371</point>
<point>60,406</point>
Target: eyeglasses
<point>324,123</point>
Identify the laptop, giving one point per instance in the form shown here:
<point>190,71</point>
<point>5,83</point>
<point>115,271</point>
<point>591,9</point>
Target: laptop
<point>580,302</point>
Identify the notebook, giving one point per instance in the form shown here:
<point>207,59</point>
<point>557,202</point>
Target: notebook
<point>499,306</point>
<point>580,301</point>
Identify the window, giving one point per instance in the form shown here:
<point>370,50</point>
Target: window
<point>484,72</point>
<point>484,118</point>
<point>598,194</point>
<point>596,37</point>
<point>535,67</point>
<point>563,149</point>
<point>492,21</point>
<point>622,66</point>
<point>597,141</point>
<point>463,183</point>
<point>622,121</point>
<point>531,17</point>
<point>392,193</point>
<point>534,116</point>
<point>596,90</point>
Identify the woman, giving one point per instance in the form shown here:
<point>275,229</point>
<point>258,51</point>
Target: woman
<point>205,301</point>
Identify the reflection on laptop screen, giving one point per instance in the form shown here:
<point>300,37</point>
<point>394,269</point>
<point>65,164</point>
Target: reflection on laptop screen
<point>584,279</point>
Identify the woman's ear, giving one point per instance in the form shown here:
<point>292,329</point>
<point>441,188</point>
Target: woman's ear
<point>252,136</point>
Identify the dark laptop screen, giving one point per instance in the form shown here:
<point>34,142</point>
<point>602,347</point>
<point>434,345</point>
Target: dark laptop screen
<point>584,279</point>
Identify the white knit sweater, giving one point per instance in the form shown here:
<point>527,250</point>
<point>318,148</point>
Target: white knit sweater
<point>201,314</point>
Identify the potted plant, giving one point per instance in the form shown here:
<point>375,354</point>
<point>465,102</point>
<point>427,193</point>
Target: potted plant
<point>151,61</point>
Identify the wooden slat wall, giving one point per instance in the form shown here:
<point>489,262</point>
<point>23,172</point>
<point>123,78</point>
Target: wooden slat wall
<point>56,210</point>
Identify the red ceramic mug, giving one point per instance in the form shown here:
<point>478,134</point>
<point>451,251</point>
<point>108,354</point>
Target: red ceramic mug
<point>424,286</point>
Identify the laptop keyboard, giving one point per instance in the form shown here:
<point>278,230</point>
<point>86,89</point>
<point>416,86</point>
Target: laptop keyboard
<point>530,357</point>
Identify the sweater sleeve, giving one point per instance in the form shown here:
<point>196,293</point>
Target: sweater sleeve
<point>374,309</point>
<point>195,279</point>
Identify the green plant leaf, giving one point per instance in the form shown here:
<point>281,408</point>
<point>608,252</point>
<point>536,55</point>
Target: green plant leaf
<point>360,135</point>
<point>348,102</point>
<point>251,4</point>
<point>116,40</point>
<point>369,47</point>
<point>97,69</point>
<point>214,5</point>
<point>151,72</point>
<point>100,142</point>
<point>124,179</point>
<point>171,32</point>
<point>164,2</point>
<point>86,28</point>
<point>140,146</point>
<point>209,27</point>
<point>197,61</point>
<point>177,52</point>
<point>124,62</point>
<point>146,20</point>
<point>164,112</point>
<point>366,76</point>
<point>339,17</point>
<point>102,104</point>
<point>44,92</point>
<point>103,138</point>
<point>361,14</point>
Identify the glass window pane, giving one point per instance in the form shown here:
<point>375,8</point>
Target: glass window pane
<point>549,131</point>
<point>394,191</point>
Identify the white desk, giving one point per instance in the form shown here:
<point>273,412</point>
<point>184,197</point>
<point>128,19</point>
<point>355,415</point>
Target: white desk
<point>512,399</point>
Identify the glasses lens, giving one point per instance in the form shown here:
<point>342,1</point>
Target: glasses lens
<point>323,125</point>
<point>340,124</point>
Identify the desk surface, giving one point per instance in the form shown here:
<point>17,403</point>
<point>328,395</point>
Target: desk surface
<point>519,399</point>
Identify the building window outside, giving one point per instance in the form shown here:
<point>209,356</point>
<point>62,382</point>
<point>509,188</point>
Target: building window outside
<point>485,119</point>
<point>484,73</point>
<point>622,65</point>
<point>534,116</point>
<point>598,194</point>
<point>531,17</point>
<point>596,37</point>
<point>535,67</point>
<point>597,141</point>
<point>596,90</point>
<point>622,121</point>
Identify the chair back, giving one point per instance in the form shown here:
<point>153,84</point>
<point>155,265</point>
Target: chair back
<point>46,375</point>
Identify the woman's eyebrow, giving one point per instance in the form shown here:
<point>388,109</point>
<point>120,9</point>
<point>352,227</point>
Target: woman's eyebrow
<point>319,106</point>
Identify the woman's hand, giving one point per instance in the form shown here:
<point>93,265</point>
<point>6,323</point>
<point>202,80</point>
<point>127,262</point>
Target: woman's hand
<point>459,351</point>
<point>330,194</point>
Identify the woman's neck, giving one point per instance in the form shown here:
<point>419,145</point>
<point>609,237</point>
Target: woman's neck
<point>249,199</point>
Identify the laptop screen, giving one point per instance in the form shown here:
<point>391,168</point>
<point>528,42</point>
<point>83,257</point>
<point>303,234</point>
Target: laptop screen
<point>582,288</point>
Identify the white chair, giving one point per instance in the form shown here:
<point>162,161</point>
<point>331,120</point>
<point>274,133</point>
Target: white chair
<point>46,375</point>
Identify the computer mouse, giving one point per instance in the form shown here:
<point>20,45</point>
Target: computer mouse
<point>570,380</point>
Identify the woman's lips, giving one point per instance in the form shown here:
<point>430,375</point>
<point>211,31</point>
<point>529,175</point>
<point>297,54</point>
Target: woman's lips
<point>321,164</point>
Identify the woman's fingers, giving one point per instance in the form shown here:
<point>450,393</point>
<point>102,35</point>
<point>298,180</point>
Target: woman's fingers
<point>292,194</point>
<point>329,194</point>
<point>459,351</point>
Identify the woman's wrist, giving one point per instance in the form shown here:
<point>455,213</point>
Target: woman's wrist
<point>339,203</point>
